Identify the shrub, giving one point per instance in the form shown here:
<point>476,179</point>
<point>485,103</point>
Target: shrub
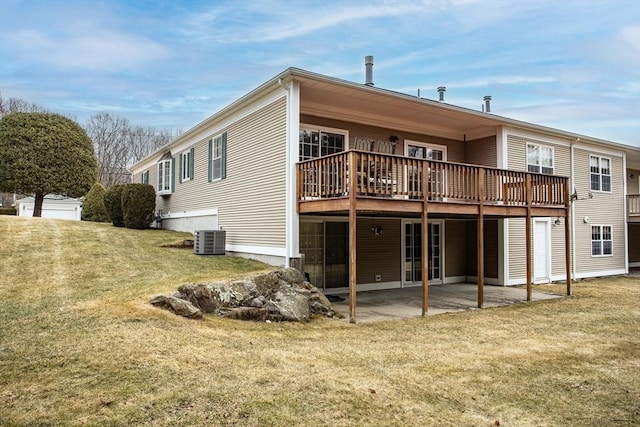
<point>8,211</point>
<point>138,205</point>
<point>93,208</point>
<point>113,204</point>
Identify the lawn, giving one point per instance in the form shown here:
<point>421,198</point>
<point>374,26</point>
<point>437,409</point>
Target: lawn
<point>80,345</point>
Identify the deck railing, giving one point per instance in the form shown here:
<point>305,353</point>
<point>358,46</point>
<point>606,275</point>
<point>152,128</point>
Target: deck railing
<point>392,176</point>
<point>633,204</point>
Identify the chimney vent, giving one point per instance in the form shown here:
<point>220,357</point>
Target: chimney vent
<point>368,65</point>
<point>441,91</point>
<point>487,103</point>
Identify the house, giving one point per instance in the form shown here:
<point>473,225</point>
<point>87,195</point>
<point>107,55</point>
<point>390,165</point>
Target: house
<point>342,179</point>
<point>53,206</point>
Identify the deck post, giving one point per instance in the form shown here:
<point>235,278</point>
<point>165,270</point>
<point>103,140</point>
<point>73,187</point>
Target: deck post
<point>528,235</point>
<point>425,241</point>
<point>352,238</point>
<point>567,237</point>
<point>480,242</point>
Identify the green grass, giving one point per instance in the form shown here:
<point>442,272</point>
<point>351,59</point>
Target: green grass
<point>80,345</point>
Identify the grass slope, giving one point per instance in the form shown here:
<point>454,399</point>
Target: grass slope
<point>79,345</point>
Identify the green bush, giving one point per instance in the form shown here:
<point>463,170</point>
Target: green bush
<point>8,211</point>
<point>138,205</point>
<point>113,204</point>
<point>93,208</point>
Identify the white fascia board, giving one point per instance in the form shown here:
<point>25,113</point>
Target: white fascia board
<point>539,137</point>
<point>190,214</point>
<point>598,149</point>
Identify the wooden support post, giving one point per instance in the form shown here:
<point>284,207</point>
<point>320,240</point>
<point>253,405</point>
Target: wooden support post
<point>528,235</point>
<point>480,243</point>
<point>425,242</point>
<point>352,238</point>
<point>567,237</point>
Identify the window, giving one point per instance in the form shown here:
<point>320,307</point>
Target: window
<point>165,176</point>
<point>600,168</point>
<point>601,240</point>
<point>539,159</point>
<point>186,166</point>
<point>144,178</point>
<point>317,143</point>
<point>218,157</point>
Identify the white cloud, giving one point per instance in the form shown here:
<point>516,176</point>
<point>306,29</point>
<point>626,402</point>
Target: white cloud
<point>93,49</point>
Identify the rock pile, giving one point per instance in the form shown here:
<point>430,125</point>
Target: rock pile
<point>280,295</point>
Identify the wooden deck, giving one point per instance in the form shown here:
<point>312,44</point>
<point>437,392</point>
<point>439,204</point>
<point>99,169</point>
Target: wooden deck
<point>389,183</point>
<point>356,181</point>
<point>633,207</point>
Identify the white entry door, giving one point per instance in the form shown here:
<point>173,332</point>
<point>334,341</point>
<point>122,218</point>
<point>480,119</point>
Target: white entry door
<point>541,251</point>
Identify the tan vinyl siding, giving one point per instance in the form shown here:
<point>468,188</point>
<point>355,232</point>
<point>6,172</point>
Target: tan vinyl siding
<point>602,209</point>
<point>517,248</point>
<point>379,254</point>
<point>482,152</point>
<point>455,248</point>
<point>455,149</point>
<point>251,200</point>
<point>517,154</point>
<point>558,260</point>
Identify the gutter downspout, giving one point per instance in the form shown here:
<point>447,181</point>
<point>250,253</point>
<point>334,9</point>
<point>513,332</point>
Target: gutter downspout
<point>573,212</point>
<point>625,212</point>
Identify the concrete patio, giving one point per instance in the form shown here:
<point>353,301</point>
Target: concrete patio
<point>373,306</point>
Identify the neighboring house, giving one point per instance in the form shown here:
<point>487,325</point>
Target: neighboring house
<point>54,206</point>
<point>344,177</point>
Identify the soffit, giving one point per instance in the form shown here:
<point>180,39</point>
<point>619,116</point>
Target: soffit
<point>402,112</point>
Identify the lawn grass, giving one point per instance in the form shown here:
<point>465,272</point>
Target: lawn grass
<point>80,345</point>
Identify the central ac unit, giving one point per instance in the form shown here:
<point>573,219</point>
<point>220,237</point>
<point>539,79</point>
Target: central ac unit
<point>209,242</point>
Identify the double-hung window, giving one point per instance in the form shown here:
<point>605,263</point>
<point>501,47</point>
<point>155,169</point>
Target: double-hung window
<point>320,142</point>
<point>165,176</point>
<point>539,159</point>
<point>144,178</point>
<point>218,157</point>
<point>600,170</point>
<point>186,166</point>
<point>601,240</point>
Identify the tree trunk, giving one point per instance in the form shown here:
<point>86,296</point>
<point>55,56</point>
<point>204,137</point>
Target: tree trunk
<point>37,206</point>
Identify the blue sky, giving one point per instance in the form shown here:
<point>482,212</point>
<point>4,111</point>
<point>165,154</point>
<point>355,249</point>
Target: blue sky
<point>568,64</point>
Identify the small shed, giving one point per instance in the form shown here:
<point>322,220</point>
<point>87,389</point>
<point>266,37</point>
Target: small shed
<point>54,206</point>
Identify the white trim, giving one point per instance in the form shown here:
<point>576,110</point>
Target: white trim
<point>208,130</point>
<point>624,212</point>
<point>455,279</point>
<point>634,264</point>
<point>292,220</point>
<point>311,128</point>
<point>501,148</point>
<point>505,227</point>
<point>261,250</point>
<point>540,146</point>
<point>601,174</point>
<point>189,214</point>
<point>160,174</point>
<point>601,240</point>
<point>185,168</point>
<point>438,147</point>
<point>547,279</point>
<point>403,237</point>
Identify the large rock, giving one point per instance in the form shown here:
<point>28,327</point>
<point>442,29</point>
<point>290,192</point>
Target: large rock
<point>178,306</point>
<point>282,294</point>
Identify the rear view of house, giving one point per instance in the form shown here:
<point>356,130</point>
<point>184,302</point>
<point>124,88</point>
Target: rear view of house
<point>365,188</point>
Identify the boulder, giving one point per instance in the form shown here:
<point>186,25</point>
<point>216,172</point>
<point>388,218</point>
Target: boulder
<point>178,306</point>
<point>282,294</point>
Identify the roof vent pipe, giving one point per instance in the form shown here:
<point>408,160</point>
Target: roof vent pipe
<point>487,104</point>
<point>368,65</point>
<point>441,91</point>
